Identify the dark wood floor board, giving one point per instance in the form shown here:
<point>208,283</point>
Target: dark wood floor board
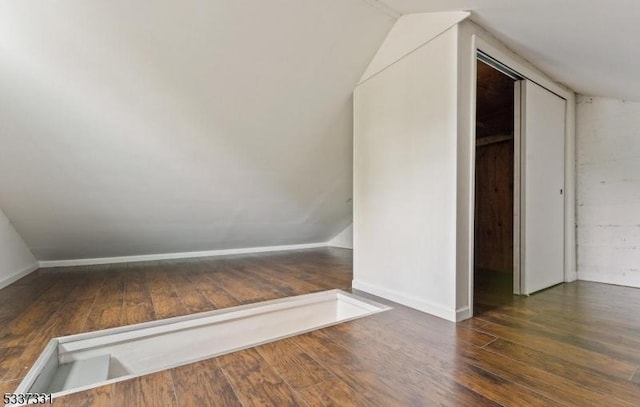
<point>193,300</point>
<point>347,367</point>
<point>166,301</point>
<point>136,291</point>
<point>335,393</point>
<point>17,297</point>
<point>104,317</point>
<point>578,318</point>
<point>552,386</point>
<point>290,278</point>
<point>551,301</point>
<point>98,397</point>
<point>9,359</point>
<point>219,297</point>
<point>296,367</point>
<point>599,342</point>
<point>255,382</point>
<point>257,284</point>
<point>606,328</point>
<point>66,320</point>
<point>17,363</point>
<point>244,289</point>
<point>418,382</point>
<point>203,384</point>
<point>155,390</point>
<point>570,353</point>
<point>575,344</point>
<point>262,275</point>
<point>139,313</point>
<point>8,386</point>
<point>108,308</point>
<point>591,379</point>
<point>441,360</point>
<point>597,293</point>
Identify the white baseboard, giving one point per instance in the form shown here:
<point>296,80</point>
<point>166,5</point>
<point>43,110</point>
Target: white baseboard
<point>18,275</point>
<point>570,277</point>
<point>608,278</point>
<point>171,256</point>
<point>412,302</point>
<point>463,313</point>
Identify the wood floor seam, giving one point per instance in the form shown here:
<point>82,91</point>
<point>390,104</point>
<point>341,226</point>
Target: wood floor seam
<point>226,375</point>
<point>557,347</point>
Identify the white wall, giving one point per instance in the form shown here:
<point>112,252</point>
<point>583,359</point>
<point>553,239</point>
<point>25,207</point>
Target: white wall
<point>344,239</point>
<point>608,161</point>
<point>405,179</point>
<point>16,259</point>
<point>136,128</point>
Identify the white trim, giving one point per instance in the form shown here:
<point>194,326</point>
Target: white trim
<point>479,39</point>
<point>18,275</point>
<point>182,255</point>
<point>517,187</point>
<point>614,279</point>
<point>463,313</point>
<point>165,344</point>
<point>412,302</point>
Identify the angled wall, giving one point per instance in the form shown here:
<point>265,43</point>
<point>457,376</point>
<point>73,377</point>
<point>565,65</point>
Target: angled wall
<point>343,239</point>
<point>405,170</point>
<point>16,259</point>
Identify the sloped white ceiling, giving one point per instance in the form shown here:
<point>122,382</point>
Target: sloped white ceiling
<point>589,45</point>
<point>152,127</point>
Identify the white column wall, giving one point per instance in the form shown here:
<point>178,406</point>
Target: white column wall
<point>405,179</point>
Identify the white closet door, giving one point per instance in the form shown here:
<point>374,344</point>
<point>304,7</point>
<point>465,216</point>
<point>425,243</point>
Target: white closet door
<point>542,177</point>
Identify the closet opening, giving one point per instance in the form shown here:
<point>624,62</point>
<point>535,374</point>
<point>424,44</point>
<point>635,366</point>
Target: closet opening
<point>495,175</point>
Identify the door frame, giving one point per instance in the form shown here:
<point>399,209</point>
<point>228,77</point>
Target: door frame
<point>474,39</point>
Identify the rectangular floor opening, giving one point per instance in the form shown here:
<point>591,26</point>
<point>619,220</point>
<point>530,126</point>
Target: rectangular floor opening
<point>79,362</point>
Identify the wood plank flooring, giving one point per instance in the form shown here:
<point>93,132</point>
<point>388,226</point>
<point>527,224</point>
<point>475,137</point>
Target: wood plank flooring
<point>575,344</point>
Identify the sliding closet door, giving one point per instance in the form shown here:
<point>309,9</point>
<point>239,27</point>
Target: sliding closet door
<point>542,182</point>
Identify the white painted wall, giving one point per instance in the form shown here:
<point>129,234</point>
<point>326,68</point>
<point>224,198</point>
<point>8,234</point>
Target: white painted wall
<point>137,128</point>
<point>16,259</point>
<point>344,239</point>
<point>608,195</point>
<point>409,33</point>
<point>405,179</point>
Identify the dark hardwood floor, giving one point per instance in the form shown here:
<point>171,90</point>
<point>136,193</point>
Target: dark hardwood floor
<point>576,344</point>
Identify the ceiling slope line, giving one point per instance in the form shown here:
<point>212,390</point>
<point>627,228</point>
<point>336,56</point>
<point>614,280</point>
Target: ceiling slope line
<point>384,8</point>
<point>412,50</point>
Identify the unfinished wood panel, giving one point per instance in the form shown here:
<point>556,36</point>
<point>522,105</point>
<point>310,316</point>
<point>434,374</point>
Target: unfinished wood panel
<point>494,207</point>
<point>494,171</point>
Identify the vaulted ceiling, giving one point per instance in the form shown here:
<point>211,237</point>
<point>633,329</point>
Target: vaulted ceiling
<point>151,127</point>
